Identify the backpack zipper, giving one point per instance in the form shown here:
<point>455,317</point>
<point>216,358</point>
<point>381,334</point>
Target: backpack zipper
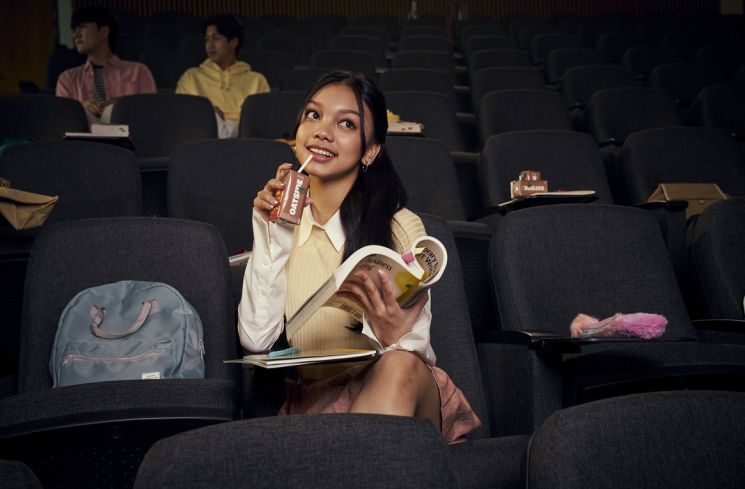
<point>77,357</point>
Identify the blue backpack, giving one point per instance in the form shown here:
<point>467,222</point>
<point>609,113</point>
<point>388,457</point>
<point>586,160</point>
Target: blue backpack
<point>127,330</point>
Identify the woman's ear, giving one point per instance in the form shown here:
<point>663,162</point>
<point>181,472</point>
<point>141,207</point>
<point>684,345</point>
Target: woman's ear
<point>370,154</point>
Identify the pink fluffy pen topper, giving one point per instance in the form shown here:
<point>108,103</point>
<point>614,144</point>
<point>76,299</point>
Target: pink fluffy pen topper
<point>640,324</point>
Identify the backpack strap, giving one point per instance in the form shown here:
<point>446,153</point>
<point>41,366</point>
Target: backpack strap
<point>97,313</point>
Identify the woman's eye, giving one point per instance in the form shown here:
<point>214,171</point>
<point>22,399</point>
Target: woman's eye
<point>347,124</point>
<point>311,115</point>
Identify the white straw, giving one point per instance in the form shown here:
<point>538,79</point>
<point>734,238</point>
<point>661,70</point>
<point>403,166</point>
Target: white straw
<point>307,160</point>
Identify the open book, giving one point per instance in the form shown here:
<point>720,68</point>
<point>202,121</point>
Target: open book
<point>305,357</point>
<point>411,273</point>
<point>116,134</point>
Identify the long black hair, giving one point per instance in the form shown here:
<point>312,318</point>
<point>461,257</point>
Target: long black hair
<point>367,211</point>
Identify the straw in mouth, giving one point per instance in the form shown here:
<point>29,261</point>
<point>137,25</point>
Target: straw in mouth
<point>307,160</point>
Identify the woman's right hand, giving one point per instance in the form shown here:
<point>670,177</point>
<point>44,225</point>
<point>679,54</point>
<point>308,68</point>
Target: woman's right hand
<point>267,198</point>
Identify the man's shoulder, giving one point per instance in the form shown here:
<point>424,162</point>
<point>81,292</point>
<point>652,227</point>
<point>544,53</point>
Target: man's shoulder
<point>127,65</point>
<point>72,72</point>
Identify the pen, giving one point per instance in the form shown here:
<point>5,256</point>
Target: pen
<point>283,353</point>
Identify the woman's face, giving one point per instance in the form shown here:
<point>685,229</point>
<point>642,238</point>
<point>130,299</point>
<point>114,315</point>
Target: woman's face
<point>330,130</point>
<point>219,49</point>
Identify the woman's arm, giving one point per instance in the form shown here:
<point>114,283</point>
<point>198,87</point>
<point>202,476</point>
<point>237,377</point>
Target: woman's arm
<point>385,323</point>
<point>261,310</point>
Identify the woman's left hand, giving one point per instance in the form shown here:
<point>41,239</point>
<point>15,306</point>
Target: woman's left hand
<point>386,317</point>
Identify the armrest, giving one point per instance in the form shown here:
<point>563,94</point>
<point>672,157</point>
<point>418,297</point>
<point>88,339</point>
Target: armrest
<point>546,343</point>
<point>464,158</point>
<point>671,205</point>
<point>721,325</point>
<point>609,142</point>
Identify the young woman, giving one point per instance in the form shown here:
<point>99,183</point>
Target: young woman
<point>355,199</point>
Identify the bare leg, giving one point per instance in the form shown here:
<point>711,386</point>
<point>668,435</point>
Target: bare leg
<point>399,383</point>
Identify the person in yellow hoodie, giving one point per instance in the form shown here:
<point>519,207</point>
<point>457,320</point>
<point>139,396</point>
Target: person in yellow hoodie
<point>224,80</point>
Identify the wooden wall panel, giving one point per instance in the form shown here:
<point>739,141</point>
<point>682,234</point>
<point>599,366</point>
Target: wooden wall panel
<point>26,39</point>
<point>354,9</point>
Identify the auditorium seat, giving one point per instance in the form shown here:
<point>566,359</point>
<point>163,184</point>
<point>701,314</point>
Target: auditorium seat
<point>521,110</point>
<point>53,430</point>
<point>478,43</point>
<point>422,30</point>
<point>653,439</point>
<point>513,23</point>
<point>683,80</point>
<point>331,450</point>
<point>298,48</point>
<point>332,23</point>
<point>615,44</point>
<point>344,59</point>
<point>721,60</point>
<point>415,79</point>
<point>426,43</point>
<point>488,80</point>
<point>167,65</point>
<point>568,160</point>
<point>527,33</point>
<point>641,60</point>
<point>385,22</point>
<point>581,82</point>
<point>497,58</point>
<point>300,79</point>
<point>271,115</point>
<point>38,117</point>
<point>216,181</point>
<point>615,113</point>
<point>193,43</point>
<point>483,27</point>
<point>271,64</point>
<point>542,45</point>
<point>317,36</point>
<point>91,180</point>
<point>551,263</point>
<point>678,154</point>
<point>561,59</point>
<point>434,110</point>
<point>374,46</point>
<point>721,106</point>
<point>157,123</point>
<point>435,185</point>
<point>425,59</point>
<point>718,262</point>
<point>369,31</point>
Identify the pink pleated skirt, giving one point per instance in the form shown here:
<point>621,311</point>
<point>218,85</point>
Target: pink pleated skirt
<point>337,393</point>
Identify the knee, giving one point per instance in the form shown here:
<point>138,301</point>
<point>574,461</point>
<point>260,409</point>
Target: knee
<point>402,369</point>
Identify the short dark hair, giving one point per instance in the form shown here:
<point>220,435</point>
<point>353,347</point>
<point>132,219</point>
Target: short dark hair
<point>227,25</point>
<point>101,17</point>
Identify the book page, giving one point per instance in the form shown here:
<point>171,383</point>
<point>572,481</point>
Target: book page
<point>403,279</point>
<point>423,266</point>
<point>305,357</point>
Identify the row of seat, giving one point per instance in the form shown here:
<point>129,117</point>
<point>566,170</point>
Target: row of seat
<point>602,259</point>
<point>210,180</point>
<point>160,122</point>
<point>279,452</point>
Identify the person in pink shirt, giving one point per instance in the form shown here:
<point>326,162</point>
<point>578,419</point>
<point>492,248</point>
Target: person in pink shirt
<point>104,76</point>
